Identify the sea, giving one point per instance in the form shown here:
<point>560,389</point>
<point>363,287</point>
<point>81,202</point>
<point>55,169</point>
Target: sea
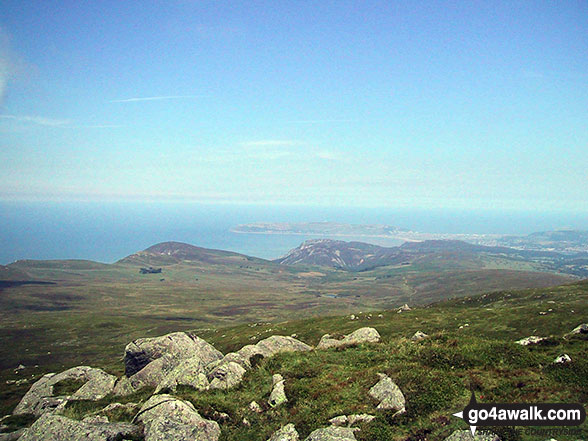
<point>109,231</point>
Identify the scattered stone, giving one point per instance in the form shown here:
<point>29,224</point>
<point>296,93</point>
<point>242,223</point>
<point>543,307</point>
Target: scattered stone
<point>532,340</point>
<point>404,307</point>
<point>388,394</point>
<point>167,418</point>
<point>277,344</point>
<point>418,336</point>
<point>580,329</point>
<point>340,420</point>
<point>226,375</point>
<point>286,433</point>
<point>220,416</point>
<point>40,399</point>
<point>352,317</point>
<point>333,434</point>
<point>278,395</point>
<point>255,407</point>
<point>20,367</point>
<point>362,335</point>
<point>562,359</point>
<point>51,427</point>
<point>177,345</point>
<point>246,422</point>
<point>466,435</point>
<point>360,418</point>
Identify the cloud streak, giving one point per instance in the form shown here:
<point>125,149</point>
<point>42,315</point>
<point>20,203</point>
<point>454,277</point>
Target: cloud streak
<point>155,98</point>
<point>38,120</point>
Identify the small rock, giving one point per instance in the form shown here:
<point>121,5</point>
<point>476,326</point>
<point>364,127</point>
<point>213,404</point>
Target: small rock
<point>580,329</point>
<point>362,335</point>
<point>246,422</point>
<point>360,418</point>
<point>404,307</point>
<point>254,407</point>
<point>286,433</point>
<point>278,395</point>
<point>562,359</point>
<point>226,375</point>
<point>333,434</point>
<point>388,394</point>
<point>340,420</point>
<point>532,340</point>
<point>418,336</point>
<point>20,367</point>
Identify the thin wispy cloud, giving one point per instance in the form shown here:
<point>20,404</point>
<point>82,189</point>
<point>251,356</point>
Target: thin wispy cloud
<point>155,98</point>
<point>38,120</point>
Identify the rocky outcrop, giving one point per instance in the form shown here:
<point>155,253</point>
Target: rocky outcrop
<point>333,434</point>
<point>286,433</point>
<point>388,394</point>
<point>40,397</point>
<point>189,372</point>
<point>418,336</point>
<point>466,435</point>
<point>177,346</point>
<point>58,428</point>
<point>362,335</point>
<point>166,418</point>
<point>278,395</point>
<point>532,340</point>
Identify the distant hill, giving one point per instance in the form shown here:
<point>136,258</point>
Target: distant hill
<point>318,228</point>
<point>563,241</point>
<point>169,253</point>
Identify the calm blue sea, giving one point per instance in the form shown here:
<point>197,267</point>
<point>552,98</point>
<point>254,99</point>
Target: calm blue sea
<point>108,231</point>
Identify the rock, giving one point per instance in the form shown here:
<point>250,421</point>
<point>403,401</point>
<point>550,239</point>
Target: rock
<point>220,416</point>
<point>562,359</point>
<point>153,373</point>
<point>466,435</point>
<point>40,399</point>
<point>51,427</point>
<point>114,407</point>
<point>360,418</point>
<point>388,394</point>
<point>418,336</point>
<point>254,407</point>
<point>333,434</point>
<point>532,340</point>
<point>246,422</point>
<point>580,329</point>
<point>404,307</point>
<point>20,367</point>
<point>96,419</point>
<point>226,375</point>
<point>340,420</point>
<point>178,345</point>
<point>362,335</point>
<point>189,372</point>
<point>286,433</point>
<point>168,419</point>
<point>278,395</point>
<point>123,387</point>
<point>277,343</point>
<point>12,436</point>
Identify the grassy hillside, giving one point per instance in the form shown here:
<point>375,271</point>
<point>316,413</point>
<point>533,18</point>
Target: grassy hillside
<point>471,344</point>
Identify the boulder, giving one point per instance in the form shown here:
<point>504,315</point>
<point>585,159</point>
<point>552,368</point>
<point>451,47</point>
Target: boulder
<point>286,433</point>
<point>580,329</point>
<point>226,375</point>
<point>123,387</point>
<point>278,395</point>
<point>51,427</point>
<point>466,435</point>
<point>278,343</point>
<point>532,340</point>
<point>388,394</point>
<point>154,372</point>
<point>362,335</point>
<point>404,307</point>
<point>255,407</point>
<point>350,420</point>
<point>189,372</point>
<point>177,345</point>
<point>40,398</point>
<point>418,336</point>
<point>168,419</point>
<point>333,434</point>
<point>11,436</point>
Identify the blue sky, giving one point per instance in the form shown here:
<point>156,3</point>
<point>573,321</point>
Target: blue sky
<point>363,103</point>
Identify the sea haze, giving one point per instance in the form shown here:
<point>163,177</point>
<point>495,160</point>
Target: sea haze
<point>108,231</point>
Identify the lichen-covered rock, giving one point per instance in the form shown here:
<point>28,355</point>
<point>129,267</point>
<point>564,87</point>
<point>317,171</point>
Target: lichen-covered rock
<point>362,335</point>
<point>388,394</point>
<point>169,419</point>
<point>153,373</point>
<point>580,329</point>
<point>226,375</point>
<point>531,340</point>
<point>177,345</point>
<point>189,372</point>
<point>333,434</point>
<point>466,435</point>
<point>123,387</point>
<point>418,336</point>
<point>278,343</point>
<point>51,427</point>
<point>255,407</point>
<point>278,394</point>
<point>340,420</point>
<point>351,420</point>
<point>40,397</point>
<point>562,359</point>
<point>12,436</point>
<point>286,433</point>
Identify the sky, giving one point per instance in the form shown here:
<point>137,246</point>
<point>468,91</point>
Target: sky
<point>421,104</point>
